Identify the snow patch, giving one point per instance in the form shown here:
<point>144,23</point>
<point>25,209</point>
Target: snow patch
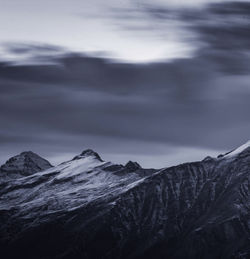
<point>76,167</point>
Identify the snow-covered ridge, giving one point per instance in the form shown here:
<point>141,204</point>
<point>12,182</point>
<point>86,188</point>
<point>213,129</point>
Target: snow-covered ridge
<point>77,166</point>
<point>69,185</point>
<point>238,150</point>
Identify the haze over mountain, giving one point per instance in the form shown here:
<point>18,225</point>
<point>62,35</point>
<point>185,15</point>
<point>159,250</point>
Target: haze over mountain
<point>89,208</point>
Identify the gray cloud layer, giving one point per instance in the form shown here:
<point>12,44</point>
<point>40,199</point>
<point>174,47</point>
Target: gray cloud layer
<point>70,98</point>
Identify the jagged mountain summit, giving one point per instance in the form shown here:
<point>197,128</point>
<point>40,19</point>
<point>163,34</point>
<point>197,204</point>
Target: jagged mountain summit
<point>24,164</point>
<point>132,166</point>
<point>89,208</point>
<point>89,153</point>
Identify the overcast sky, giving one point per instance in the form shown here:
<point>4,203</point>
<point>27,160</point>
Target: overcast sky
<point>161,82</point>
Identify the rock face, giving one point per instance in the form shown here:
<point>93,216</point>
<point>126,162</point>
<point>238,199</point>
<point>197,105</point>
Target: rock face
<point>132,166</point>
<point>87,208</point>
<point>24,164</point>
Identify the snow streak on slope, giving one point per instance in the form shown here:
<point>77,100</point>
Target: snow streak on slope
<point>238,150</point>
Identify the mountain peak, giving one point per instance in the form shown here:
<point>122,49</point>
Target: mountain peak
<point>28,153</point>
<point>88,153</point>
<point>26,163</point>
<point>132,166</point>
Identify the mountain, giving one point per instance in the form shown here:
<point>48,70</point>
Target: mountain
<point>88,208</point>
<point>24,164</point>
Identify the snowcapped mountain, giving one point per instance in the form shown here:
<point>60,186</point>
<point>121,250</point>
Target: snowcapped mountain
<point>89,208</point>
<point>26,163</point>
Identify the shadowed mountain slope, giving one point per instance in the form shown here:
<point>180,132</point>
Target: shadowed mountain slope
<point>88,208</point>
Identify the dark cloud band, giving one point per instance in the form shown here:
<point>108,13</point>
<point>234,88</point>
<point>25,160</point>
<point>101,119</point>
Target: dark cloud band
<point>200,101</point>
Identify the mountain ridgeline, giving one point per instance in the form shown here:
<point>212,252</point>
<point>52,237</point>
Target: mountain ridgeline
<point>91,209</point>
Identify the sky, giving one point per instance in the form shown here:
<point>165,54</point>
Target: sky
<point>158,82</point>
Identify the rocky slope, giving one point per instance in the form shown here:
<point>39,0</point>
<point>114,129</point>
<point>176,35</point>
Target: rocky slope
<point>88,208</point>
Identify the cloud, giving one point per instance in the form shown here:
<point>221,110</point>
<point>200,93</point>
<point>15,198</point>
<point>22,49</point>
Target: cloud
<point>218,31</point>
<point>153,102</point>
<point>34,49</point>
<point>75,100</point>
